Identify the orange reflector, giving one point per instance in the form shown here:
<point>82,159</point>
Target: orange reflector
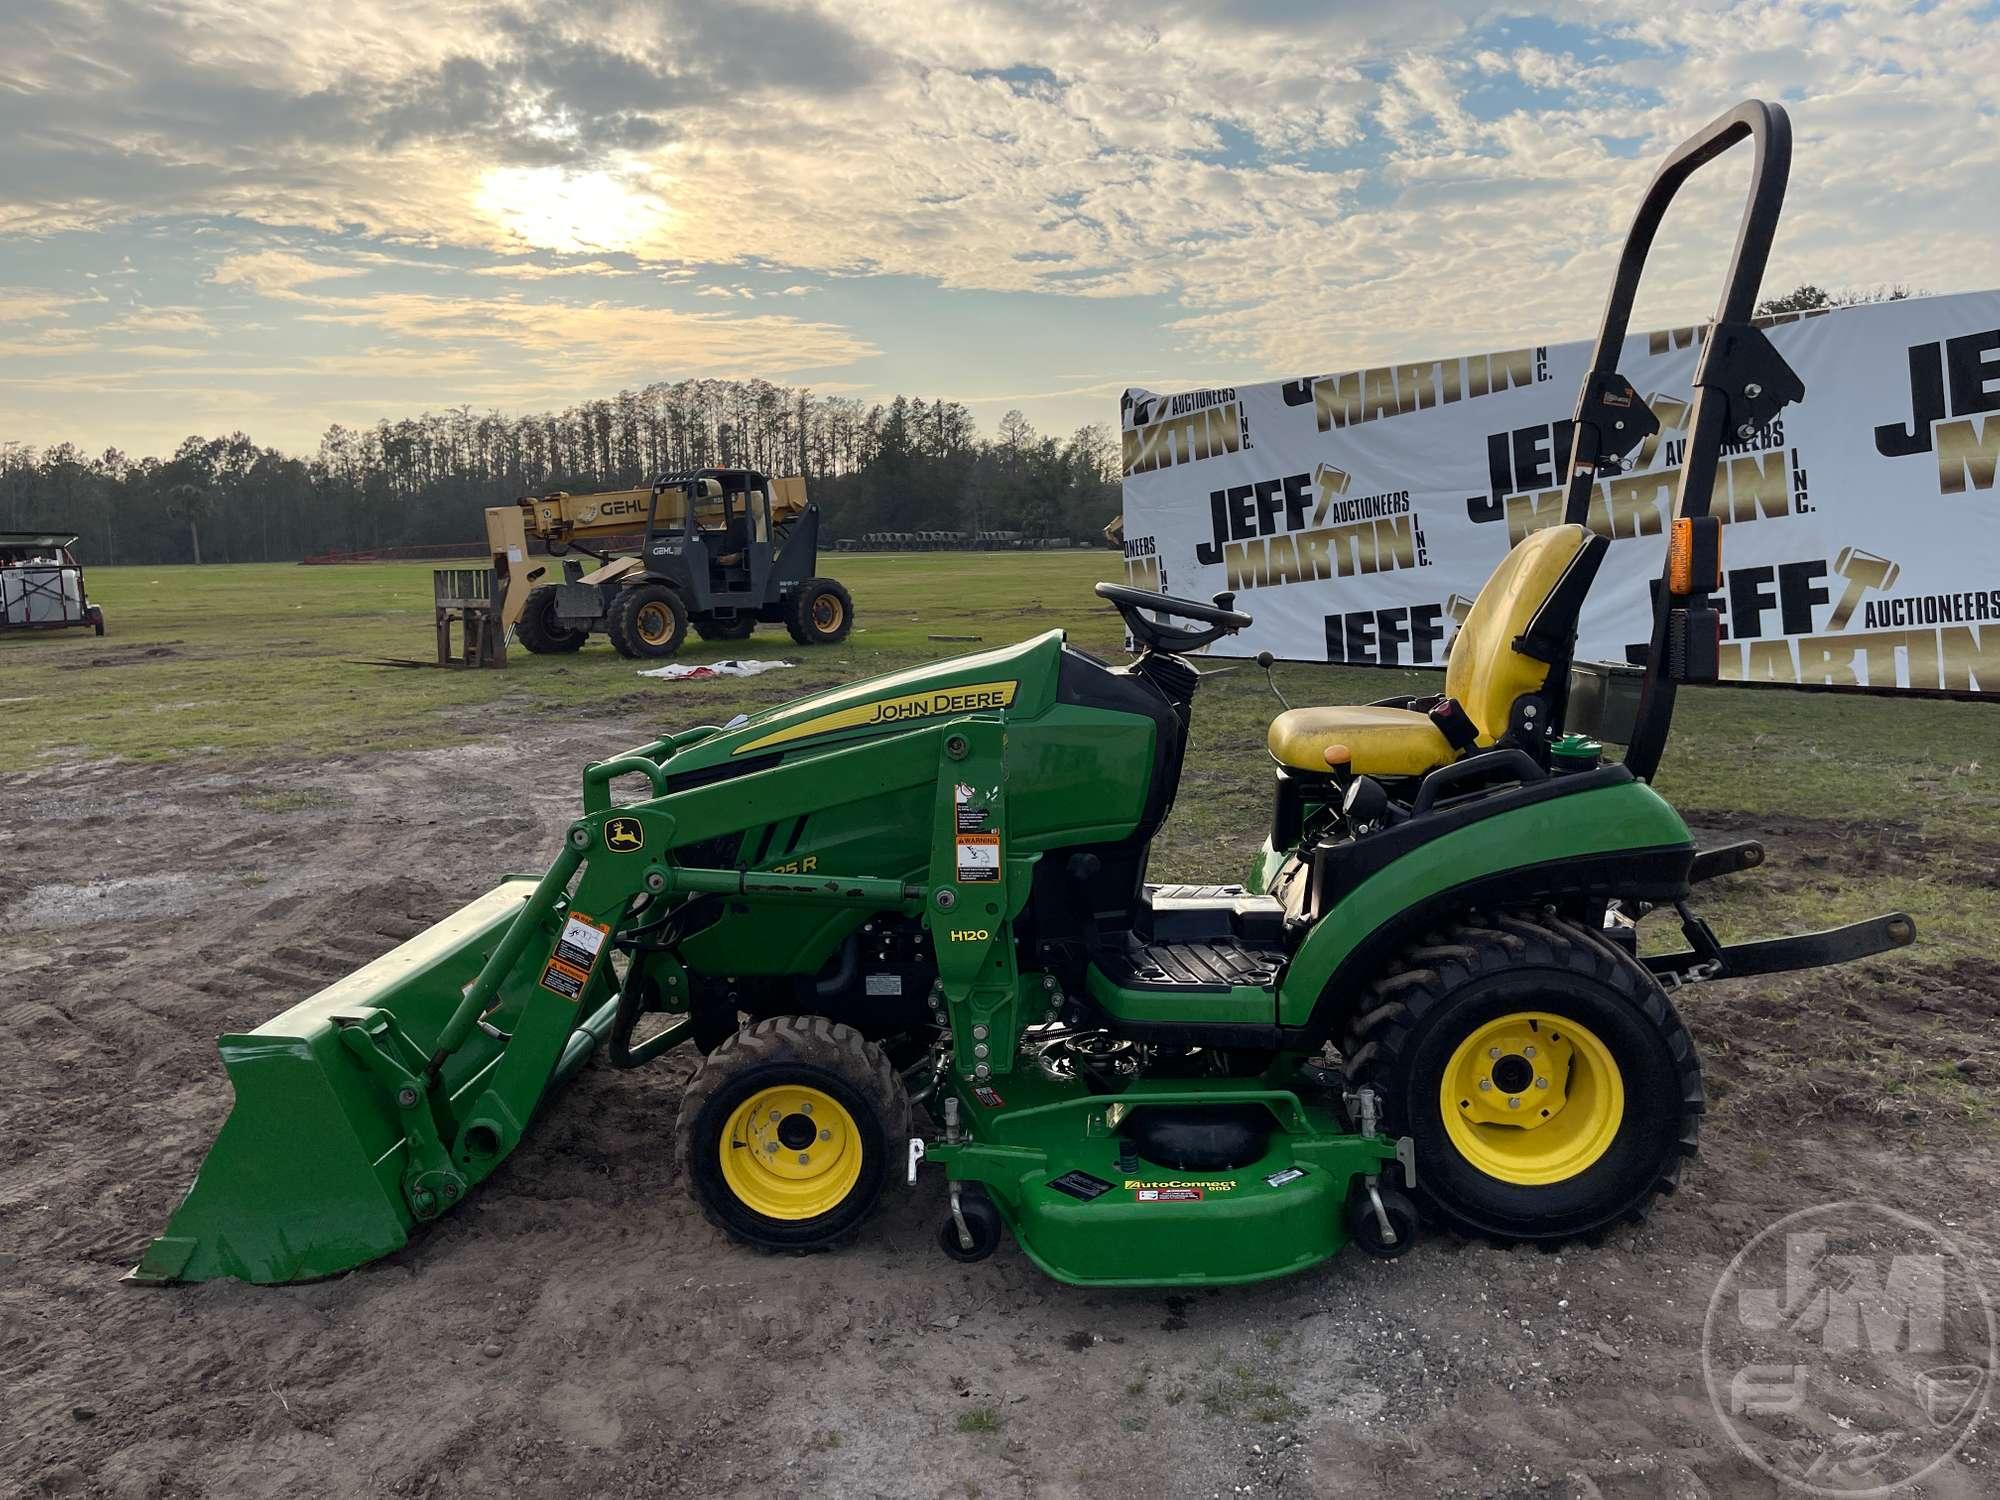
<point>1684,559</point>
<point>1680,558</point>
<point>1338,756</point>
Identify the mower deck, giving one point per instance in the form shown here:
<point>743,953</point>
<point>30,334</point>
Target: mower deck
<point>1090,1210</point>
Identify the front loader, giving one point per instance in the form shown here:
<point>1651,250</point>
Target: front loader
<point>927,891</point>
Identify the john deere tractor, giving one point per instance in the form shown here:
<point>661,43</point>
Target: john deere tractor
<point>907,922</point>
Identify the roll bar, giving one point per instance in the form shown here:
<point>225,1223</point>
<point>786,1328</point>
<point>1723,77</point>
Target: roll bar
<point>1741,382</point>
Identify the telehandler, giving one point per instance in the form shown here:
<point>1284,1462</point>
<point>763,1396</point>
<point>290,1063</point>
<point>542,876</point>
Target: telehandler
<point>721,550</point>
<point>1427,1002</point>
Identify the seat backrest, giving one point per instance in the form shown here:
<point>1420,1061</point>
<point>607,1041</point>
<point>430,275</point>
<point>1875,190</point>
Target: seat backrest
<point>1522,623</point>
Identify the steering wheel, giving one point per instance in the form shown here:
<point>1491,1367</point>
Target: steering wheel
<point>1138,607</point>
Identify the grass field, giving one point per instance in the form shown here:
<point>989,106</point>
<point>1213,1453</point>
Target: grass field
<point>1898,800</point>
<point>212,813</point>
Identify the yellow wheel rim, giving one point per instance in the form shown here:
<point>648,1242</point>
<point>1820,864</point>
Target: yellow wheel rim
<point>827,612</point>
<point>656,624</point>
<point>791,1152</point>
<point>1532,1098</point>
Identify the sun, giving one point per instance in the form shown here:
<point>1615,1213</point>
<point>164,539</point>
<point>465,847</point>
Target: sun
<point>558,208</point>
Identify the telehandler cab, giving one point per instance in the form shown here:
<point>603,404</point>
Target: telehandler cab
<point>1427,1002</point>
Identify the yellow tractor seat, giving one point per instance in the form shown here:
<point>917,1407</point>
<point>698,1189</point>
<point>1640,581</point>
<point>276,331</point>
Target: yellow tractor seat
<point>1523,621</point>
<point>1380,741</point>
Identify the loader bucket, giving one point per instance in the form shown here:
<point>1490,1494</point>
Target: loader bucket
<point>338,1146</point>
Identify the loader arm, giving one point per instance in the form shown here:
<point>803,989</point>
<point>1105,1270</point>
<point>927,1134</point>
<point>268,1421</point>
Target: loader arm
<point>382,1101</point>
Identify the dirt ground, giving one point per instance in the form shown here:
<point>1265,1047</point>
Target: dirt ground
<point>576,1329</point>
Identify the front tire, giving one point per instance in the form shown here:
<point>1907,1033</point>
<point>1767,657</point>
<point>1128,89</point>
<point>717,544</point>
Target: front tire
<point>819,612</point>
<point>787,1133</point>
<point>541,632</point>
<point>1549,1088</point>
<point>647,621</point>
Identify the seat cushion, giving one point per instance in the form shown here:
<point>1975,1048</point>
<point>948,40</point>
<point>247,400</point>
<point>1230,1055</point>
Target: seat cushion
<point>1382,741</point>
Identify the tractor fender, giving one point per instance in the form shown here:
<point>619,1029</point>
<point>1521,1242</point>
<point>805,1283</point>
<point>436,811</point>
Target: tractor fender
<point>1612,837</point>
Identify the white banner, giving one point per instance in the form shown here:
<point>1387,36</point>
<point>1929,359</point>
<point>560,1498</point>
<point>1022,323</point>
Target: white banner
<point>1357,514</point>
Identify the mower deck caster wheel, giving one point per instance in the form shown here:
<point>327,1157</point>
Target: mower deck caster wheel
<point>982,1225</point>
<point>1364,1223</point>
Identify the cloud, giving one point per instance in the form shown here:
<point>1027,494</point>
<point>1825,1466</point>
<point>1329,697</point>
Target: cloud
<point>590,346</point>
<point>1295,186</point>
<point>277,273</point>
<point>160,320</point>
<point>28,305</point>
<point>530,271</point>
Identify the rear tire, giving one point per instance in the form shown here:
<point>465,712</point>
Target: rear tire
<point>1574,1135</point>
<point>714,629</point>
<point>647,621</point>
<point>764,1181</point>
<point>819,612</point>
<point>541,632</point>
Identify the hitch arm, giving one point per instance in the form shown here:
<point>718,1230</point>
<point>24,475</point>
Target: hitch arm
<point>1709,959</point>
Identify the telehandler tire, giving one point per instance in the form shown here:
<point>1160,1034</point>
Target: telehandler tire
<point>789,1132</point>
<point>541,632</point>
<point>647,620</point>
<point>716,629</point>
<point>1549,1087</point>
<point>819,612</point>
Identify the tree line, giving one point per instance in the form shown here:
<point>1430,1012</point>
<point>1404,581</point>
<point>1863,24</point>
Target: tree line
<point>904,465</point>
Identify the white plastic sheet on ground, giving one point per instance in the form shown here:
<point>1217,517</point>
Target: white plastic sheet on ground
<point>678,671</point>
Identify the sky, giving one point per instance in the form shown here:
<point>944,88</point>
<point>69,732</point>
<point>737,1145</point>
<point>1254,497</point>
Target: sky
<point>273,215</point>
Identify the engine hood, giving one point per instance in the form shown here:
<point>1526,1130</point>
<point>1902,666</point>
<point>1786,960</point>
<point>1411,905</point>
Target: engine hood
<point>1018,680</point>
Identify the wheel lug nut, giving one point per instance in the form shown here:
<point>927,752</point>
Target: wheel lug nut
<point>771,1147</point>
<point>803,1158</point>
<point>1493,1052</point>
<point>806,1108</point>
<point>826,1135</point>
<point>1515,1102</point>
<point>1485,1085</point>
<point>1528,1051</point>
<point>1541,1083</point>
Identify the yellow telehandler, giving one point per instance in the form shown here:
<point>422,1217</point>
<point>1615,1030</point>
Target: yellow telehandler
<point>720,550</point>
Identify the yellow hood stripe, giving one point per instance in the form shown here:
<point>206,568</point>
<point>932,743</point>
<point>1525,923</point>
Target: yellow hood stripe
<point>969,698</point>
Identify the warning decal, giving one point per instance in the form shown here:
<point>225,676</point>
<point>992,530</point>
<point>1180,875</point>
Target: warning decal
<point>978,857</point>
<point>564,980</point>
<point>580,941</point>
<point>577,947</point>
<point>1168,1195</point>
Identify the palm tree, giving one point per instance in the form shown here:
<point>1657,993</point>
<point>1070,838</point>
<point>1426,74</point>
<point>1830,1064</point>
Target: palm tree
<point>189,503</point>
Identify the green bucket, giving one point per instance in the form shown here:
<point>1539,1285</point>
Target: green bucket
<point>338,1146</point>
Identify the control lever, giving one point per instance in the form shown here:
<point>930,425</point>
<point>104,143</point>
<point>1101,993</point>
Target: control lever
<point>1264,659</point>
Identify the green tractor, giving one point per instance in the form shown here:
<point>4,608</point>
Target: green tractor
<point>1426,1003</point>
